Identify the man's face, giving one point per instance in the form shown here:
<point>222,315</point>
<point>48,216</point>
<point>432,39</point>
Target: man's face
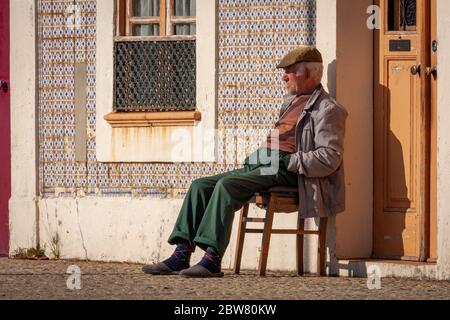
<point>295,84</point>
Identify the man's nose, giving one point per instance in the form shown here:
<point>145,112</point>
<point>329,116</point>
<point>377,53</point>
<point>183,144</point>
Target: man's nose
<point>285,77</point>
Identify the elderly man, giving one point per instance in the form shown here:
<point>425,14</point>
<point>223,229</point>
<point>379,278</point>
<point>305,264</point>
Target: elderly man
<point>305,150</point>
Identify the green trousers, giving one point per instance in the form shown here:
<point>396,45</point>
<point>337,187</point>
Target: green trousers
<point>208,209</point>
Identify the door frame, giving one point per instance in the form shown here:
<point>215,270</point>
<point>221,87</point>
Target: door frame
<point>428,128</point>
<point>433,249</point>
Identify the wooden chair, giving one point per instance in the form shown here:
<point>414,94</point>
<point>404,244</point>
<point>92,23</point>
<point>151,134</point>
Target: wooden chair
<point>279,199</point>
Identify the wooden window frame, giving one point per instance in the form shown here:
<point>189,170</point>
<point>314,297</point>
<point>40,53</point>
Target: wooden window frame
<point>166,20</point>
<point>124,21</point>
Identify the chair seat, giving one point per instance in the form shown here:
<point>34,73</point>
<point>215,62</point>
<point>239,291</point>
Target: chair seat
<point>280,190</point>
<point>288,198</point>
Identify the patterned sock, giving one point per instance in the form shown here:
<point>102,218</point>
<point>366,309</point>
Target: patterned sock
<point>211,261</point>
<point>180,259</point>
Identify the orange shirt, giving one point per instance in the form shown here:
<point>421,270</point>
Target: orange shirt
<point>284,139</point>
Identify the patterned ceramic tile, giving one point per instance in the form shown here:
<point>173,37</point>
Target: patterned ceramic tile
<point>253,34</point>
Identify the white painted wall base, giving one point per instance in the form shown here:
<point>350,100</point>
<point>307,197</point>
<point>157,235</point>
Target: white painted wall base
<point>22,223</point>
<point>136,230</point>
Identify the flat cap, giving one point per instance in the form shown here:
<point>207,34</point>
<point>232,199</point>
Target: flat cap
<point>301,54</point>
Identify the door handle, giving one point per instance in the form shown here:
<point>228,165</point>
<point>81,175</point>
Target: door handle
<point>431,71</point>
<point>434,46</point>
<point>4,86</point>
<point>415,70</point>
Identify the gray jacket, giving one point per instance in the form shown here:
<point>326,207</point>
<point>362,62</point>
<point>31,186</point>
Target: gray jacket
<point>319,139</point>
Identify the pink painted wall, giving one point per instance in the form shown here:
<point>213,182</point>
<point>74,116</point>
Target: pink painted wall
<point>5,129</point>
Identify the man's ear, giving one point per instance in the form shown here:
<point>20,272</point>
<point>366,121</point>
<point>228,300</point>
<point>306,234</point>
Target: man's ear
<point>308,73</point>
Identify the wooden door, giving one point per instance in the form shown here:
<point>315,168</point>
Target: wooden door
<point>402,131</point>
<point>5,153</point>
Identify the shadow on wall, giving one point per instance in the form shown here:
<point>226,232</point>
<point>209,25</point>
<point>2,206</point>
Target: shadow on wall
<point>393,201</point>
<point>392,195</point>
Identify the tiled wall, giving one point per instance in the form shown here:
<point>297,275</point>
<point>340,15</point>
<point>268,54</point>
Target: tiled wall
<point>253,34</point>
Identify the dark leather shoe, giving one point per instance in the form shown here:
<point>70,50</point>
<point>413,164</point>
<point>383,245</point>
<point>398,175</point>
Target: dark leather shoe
<point>159,268</point>
<point>197,271</point>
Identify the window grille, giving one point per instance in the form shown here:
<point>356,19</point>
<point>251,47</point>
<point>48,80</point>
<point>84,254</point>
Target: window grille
<point>155,56</point>
<point>155,76</point>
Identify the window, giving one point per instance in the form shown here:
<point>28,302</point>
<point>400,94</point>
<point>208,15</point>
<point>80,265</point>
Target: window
<point>143,131</point>
<point>402,15</point>
<point>155,63</point>
<point>156,18</point>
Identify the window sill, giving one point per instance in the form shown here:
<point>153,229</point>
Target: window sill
<point>153,38</point>
<point>152,119</point>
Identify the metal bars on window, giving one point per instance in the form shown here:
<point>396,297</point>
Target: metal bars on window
<point>402,15</point>
<point>155,76</point>
<point>408,13</point>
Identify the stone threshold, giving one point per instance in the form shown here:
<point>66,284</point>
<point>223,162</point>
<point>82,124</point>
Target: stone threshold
<point>386,268</point>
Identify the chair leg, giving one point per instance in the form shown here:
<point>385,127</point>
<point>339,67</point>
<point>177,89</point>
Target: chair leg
<point>240,238</point>
<point>266,236</point>
<point>321,255</point>
<point>300,237</point>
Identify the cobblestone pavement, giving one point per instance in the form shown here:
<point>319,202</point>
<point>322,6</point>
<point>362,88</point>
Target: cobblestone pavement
<point>28,279</point>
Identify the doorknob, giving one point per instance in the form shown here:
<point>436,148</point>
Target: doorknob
<point>415,70</point>
<point>434,46</point>
<point>431,71</point>
<point>4,85</point>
